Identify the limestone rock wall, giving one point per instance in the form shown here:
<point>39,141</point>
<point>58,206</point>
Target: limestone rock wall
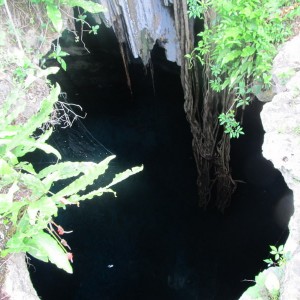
<point>16,285</point>
<point>140,24</point>
<point>281,121</point>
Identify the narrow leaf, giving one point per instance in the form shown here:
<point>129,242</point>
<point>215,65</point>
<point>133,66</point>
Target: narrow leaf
<point>90,175</point>
<point>122,176</point>
<point>65,170</point>
<point>42,246</point>
<point>230,56</point>
<point>54,15</point>
<point>36,120</point>
<point>248,51</point>
<point>89,6</point>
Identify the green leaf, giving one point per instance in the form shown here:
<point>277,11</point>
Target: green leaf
<point>122,176</point>
<point>54,15</point>
<point>248,51</point>
<point>7,134</point>
<point>46,72</point>
<point>6,200</point>
<point>268,261</point>
<point>96,193</point>
<point>257,87</point>
<point>91,173</point>
<point>280,248</point>
<point>10,208</point>
<point>89,6</point>
<point>118,178</point>
<point>15,244</point>
<point>64,170</point>
<point>240,103</point>
<point>39,73</point>
<point>36,120</point>
<point>63,64</point>
<point>62,53</point>
<point>30,145</point>
<point>34,184</point>
<point>43,247</point>
<point>230,57</point>
<point>247,11</point>
<point>232,32</point>
<point>5,168</point>
<point>40,212</point>
<point>8,113</point>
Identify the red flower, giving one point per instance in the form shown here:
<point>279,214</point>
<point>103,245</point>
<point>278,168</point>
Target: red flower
<point>70,256</point>
<point>60,230</point>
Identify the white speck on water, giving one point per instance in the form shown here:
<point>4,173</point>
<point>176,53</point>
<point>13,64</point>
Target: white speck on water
<point>110,266</point>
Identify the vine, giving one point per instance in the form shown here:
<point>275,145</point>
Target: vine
<point>241,42</point>
<point>235,52</point>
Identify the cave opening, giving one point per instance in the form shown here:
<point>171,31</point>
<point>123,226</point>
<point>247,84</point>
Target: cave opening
<point>152,241</point>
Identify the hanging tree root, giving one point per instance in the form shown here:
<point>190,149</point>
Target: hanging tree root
<point>210,146</point>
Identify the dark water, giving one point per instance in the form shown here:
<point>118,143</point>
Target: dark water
<point>152,241</point>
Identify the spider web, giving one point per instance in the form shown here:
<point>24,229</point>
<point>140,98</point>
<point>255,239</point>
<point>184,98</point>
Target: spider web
<point>75,143</point>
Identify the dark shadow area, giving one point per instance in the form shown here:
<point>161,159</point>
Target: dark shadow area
<point>152,241</point>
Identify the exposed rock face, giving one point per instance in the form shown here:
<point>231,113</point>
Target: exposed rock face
<point>16,284</point>
<point>281,121</point>
<point>140,24</point>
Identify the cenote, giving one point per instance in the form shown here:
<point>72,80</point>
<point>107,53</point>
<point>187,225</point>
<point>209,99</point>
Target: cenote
<point>153,241</point>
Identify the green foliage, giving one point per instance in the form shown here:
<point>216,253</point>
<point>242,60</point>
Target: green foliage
<point>81,18</point>
<point>267,283</point>
<point>94,29</point>
<point>20,73</point>
<point>54,11</point>
<point>58,54</point>
<point>26,200</point>
<point>266,286</point>
<point>232,127</point>
<point>197,8</point>
<point>280,256</point>
<point>241,41</point>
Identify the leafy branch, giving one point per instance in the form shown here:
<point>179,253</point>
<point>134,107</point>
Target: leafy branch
<point>280,256</point>
<point>27,202</point>
<point>240,39</point>
<point>58,54</point>
<point>54,10</point>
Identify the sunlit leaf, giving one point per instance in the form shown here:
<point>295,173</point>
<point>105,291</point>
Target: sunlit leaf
<point>42,246</point>
<point>87,5</point>
<point>122,176</point>
<point>247,51</point>
<point>54,15</point>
